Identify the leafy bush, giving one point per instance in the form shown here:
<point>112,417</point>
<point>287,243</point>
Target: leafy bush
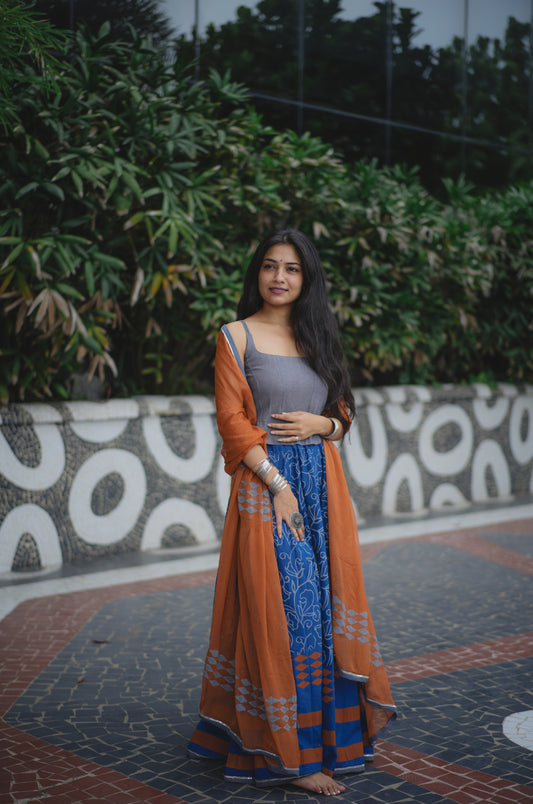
<point>23,39</point>
<point>105,221</point>
<point>132,196</point>
<point>434,292</point>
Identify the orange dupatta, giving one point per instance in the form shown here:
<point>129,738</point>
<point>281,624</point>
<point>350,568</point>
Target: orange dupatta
<point>248,685</point>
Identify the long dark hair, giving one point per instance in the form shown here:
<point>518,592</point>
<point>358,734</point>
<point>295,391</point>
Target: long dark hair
<point>314,325</point>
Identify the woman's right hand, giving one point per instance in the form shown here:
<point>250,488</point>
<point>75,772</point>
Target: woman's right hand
<point>285,504</point>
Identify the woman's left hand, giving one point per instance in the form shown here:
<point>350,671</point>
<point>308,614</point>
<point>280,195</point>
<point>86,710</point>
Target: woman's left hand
<point>297,425</point>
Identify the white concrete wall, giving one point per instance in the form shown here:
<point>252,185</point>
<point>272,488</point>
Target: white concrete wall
<point>80,480</point>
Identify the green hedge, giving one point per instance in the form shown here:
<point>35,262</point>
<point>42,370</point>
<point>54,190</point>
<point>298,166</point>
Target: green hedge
<point>131,197</point>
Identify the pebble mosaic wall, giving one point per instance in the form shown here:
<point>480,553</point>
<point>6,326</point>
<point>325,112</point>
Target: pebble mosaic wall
<point>86,479</point>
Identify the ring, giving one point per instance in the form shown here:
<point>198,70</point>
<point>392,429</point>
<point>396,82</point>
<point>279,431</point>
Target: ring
<point>296,520</point>
<point>296,437</point>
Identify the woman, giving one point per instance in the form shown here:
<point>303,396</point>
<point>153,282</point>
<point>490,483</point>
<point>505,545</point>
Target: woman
<point>294,688</point>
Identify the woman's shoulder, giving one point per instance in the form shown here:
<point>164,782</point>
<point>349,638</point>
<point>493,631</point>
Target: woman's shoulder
<point>236,329</point>
<point>238,333</point>
<point>233,327</point>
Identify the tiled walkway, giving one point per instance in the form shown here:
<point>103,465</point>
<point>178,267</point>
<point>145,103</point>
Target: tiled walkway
<point>99,688</point>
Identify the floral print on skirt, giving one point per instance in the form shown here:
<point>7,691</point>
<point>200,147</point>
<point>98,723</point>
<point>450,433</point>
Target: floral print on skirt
<point>331,730</point>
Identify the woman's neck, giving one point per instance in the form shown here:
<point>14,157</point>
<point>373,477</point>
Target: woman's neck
<point>278,317</point>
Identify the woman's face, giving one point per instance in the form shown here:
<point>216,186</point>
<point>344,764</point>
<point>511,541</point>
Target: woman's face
<point>280,277</point>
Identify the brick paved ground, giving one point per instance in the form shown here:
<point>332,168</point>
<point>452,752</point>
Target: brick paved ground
<point>99,689</point>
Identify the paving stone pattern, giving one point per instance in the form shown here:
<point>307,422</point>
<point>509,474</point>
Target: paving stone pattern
<point>513,541</point>
<point>109,717</point>
<point>428,597</point>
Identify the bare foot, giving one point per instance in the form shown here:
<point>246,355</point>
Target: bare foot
<point>319,783</point>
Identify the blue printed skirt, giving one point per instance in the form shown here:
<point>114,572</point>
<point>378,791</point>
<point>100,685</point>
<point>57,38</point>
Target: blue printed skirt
<point>331,731</point>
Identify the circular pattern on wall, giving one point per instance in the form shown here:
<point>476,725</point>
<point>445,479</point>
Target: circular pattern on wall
<point>51,466</point>
<point>489,457</point>
<point>403,472</point>
<point>405,416</point>
<point>223,485</point>
<point>173,512</point>
<point>449,461</point>
<point>489,416</point>
<point>521,429</point>
<point>32,519</point>
<point>113,526</point>
<point>365,469</point>
<point>190,469</point>
<point>410,449</point>
<point>112,417</point>
<point>447,496</point>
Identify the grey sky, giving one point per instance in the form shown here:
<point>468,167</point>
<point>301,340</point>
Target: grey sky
<point>440,19</point>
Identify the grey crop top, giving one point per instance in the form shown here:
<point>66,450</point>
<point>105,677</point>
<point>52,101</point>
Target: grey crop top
<point>281,384</point>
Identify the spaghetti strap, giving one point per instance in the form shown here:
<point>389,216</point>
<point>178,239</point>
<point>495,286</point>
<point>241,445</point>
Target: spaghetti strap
<point>232,345</point>
<point>249,337</point>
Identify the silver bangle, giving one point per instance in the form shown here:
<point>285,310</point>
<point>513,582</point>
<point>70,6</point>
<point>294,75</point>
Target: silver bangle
<point>277,484</point>
<point>334,433</point>
<point>262,468</point>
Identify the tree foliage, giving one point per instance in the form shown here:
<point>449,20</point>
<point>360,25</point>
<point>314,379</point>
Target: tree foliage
<point>131,197</point>
<point>145,16</point>
<point>24,40</point>
<point>344,69</point>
